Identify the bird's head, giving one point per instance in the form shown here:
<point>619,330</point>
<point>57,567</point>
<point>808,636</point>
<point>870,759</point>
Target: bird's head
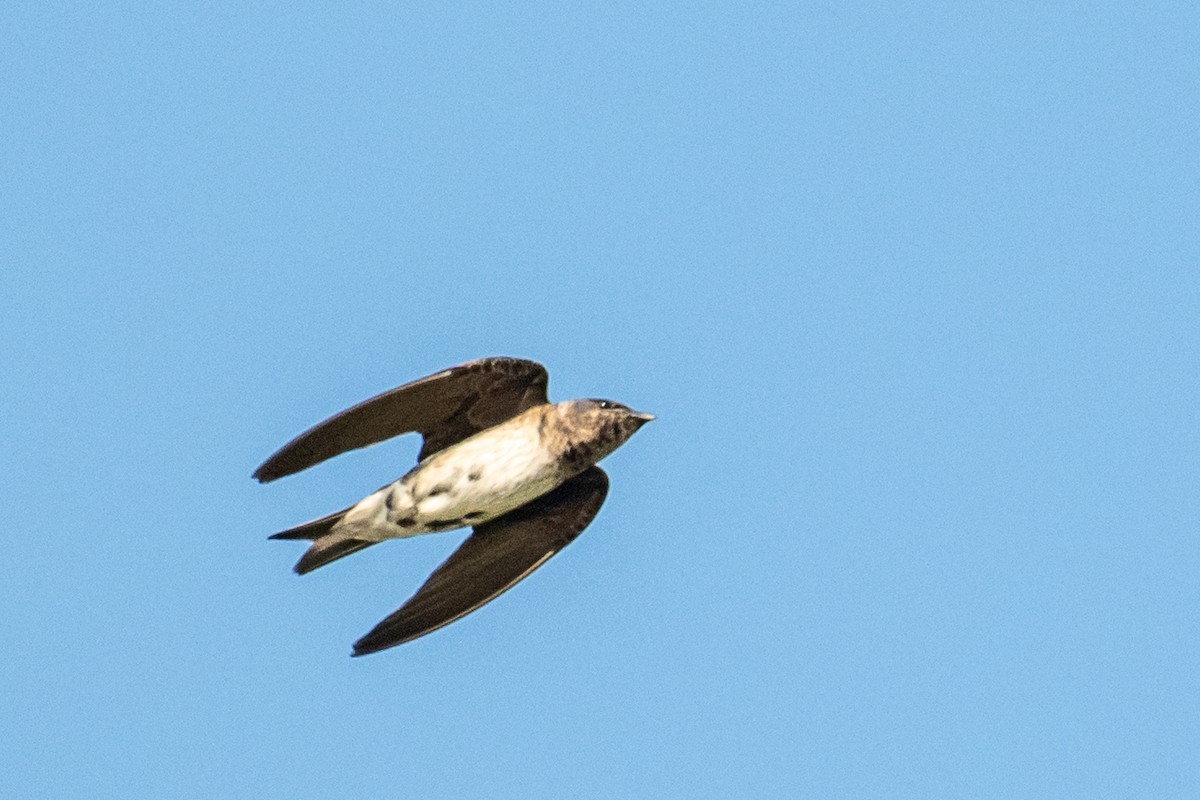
<point>594,428</point>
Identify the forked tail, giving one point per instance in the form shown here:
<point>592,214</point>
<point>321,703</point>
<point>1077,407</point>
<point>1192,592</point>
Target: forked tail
<point>327,546</point>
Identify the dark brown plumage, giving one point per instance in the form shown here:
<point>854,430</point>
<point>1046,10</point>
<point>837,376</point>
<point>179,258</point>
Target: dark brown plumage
<point>492,560</point>
<point>444,408</point>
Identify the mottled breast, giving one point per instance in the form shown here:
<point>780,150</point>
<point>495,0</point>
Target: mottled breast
<point>484,476</point>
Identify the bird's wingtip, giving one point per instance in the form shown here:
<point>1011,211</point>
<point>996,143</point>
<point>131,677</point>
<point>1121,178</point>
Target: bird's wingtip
<point>366,645</point>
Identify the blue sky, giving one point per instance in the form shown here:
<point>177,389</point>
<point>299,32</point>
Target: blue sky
<point>912,288</point>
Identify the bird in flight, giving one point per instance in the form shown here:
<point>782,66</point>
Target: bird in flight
<point>497,456</point>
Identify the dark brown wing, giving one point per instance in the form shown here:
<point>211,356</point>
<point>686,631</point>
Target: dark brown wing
<point>445,408</point>
<point>492,560</point>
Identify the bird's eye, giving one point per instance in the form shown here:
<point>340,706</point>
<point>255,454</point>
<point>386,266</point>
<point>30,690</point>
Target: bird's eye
<point>605,404</point>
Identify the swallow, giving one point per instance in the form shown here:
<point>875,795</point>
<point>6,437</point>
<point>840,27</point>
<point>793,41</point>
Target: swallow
<point>497,456</point>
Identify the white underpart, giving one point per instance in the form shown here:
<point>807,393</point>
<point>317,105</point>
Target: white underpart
<point>510,468</point>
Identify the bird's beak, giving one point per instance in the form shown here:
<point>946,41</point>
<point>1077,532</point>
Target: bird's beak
<point>642,417</point>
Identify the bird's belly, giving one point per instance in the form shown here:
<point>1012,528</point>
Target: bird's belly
<point>480,479</point>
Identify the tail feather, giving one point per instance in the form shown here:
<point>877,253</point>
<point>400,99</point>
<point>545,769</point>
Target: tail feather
<point>325,551</point>
<point>326,546</point>
<point>312,530</point>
